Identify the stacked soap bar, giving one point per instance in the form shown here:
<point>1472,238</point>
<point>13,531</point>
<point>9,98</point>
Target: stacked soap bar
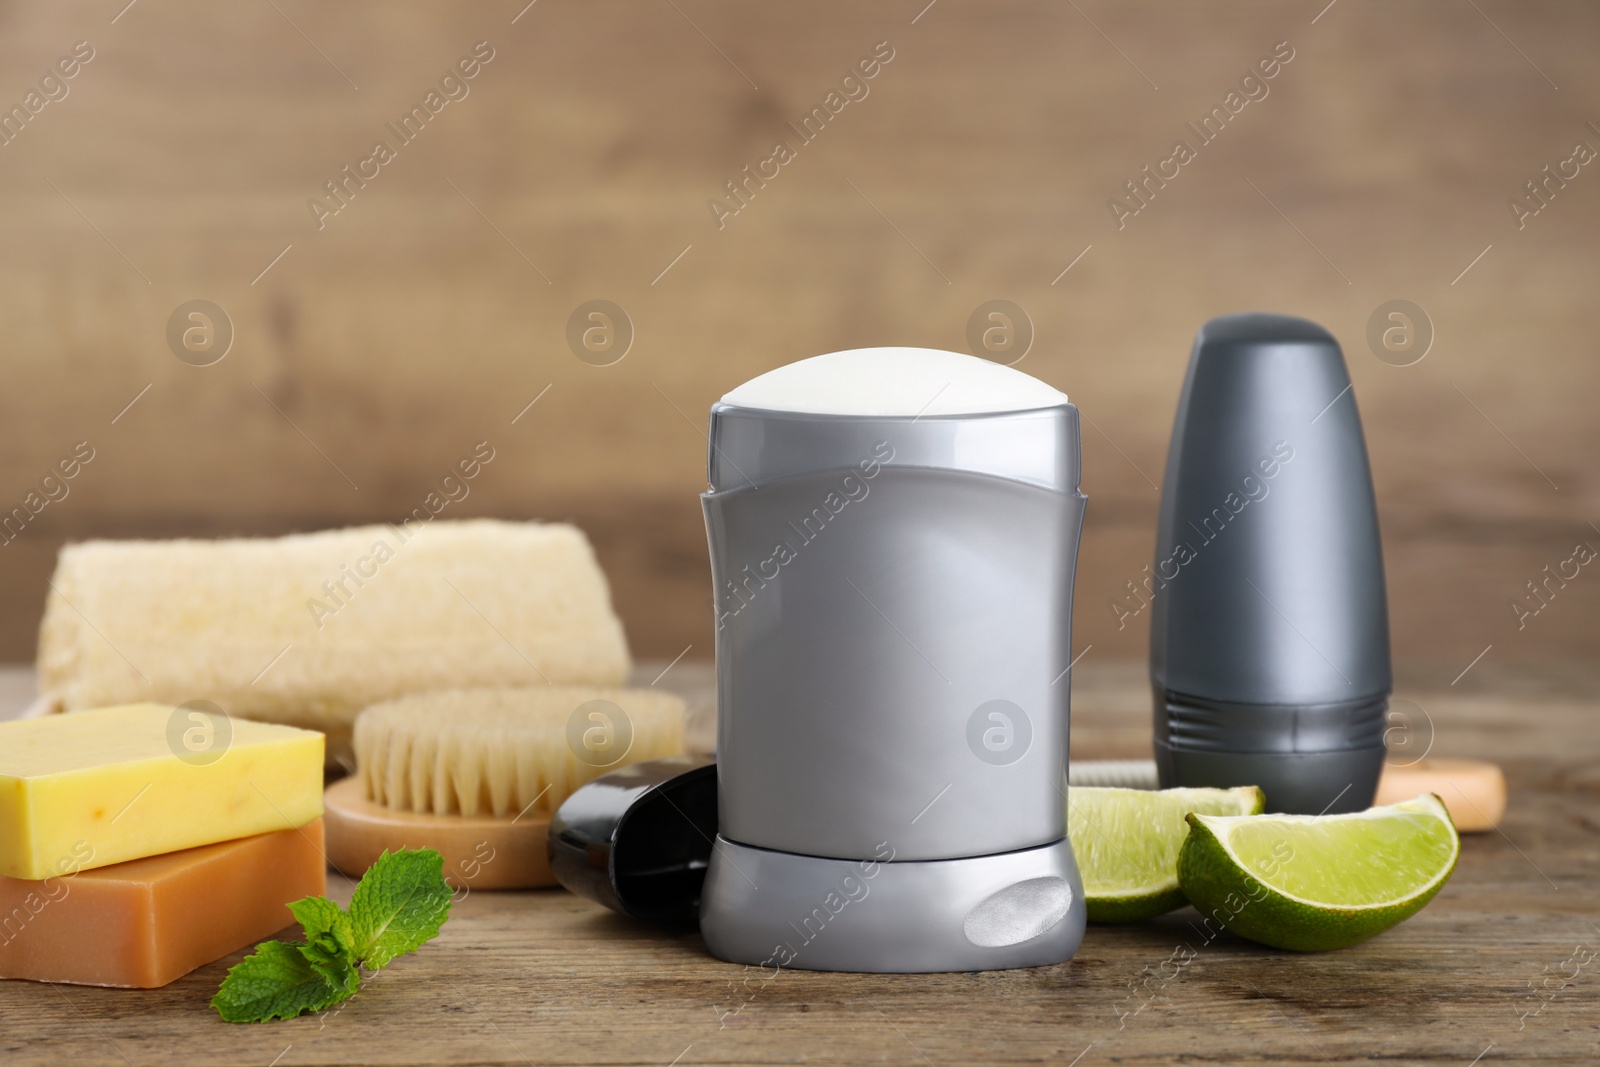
<point>148,922</point>
<point>139,842</point>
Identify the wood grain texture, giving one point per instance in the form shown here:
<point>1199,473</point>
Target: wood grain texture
<point>543,977</point>
<point>419,319</point>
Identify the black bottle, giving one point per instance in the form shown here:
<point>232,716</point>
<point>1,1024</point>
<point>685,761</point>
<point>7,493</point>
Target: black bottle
<point>1269,635</point>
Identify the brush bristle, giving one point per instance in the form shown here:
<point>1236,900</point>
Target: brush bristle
<point>502,752</point>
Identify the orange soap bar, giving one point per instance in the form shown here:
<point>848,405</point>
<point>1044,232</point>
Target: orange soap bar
<point>148,922</point>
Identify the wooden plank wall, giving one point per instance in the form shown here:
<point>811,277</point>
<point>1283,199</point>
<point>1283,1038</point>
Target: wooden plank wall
<point>976,164</point>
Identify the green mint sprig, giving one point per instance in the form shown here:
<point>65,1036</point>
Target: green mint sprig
<point>398,906</point>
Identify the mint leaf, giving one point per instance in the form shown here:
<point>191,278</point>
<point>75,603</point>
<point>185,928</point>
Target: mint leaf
<point>342,976</point>
<point>277,981</point>
<point>399,905</point>
<point>329,937</point>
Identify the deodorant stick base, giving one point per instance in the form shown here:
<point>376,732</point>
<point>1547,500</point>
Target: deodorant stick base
<point>776,909</point>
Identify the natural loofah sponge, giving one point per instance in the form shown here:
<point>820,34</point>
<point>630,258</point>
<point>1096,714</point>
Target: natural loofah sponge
<point>309,629</point>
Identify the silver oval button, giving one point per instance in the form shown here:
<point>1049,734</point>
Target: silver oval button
<point>1019,912</point>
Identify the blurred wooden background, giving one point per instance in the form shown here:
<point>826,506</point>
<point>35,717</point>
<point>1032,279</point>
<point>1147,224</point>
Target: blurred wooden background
<point>433,308</point>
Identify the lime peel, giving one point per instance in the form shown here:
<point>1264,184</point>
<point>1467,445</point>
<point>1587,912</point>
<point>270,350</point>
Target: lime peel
<point>1309,883</point>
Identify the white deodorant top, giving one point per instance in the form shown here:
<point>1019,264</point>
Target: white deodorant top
<point>895,382</point>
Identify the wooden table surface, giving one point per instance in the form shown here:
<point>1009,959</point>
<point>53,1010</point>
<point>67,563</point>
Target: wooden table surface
<point>1501,966</point>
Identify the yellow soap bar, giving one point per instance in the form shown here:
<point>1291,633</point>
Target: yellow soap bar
<point>93,788</point>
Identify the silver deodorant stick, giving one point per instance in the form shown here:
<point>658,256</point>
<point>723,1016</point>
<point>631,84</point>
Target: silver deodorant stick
<point>893,534</point>
<point>1269,634</point>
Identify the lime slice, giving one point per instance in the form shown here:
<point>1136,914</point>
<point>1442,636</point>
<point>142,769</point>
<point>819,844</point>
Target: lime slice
<point>1126,842</point>
<point>1309,882</point>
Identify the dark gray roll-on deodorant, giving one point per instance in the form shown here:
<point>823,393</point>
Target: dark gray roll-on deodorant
<point>1269,635</point>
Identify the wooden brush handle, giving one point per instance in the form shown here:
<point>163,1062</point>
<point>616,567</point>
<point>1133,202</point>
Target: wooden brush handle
<point>1474,791</point>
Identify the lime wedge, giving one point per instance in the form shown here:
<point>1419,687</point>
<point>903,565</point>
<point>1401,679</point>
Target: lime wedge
<point>1308,882</point>
<point>1126,842</point>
